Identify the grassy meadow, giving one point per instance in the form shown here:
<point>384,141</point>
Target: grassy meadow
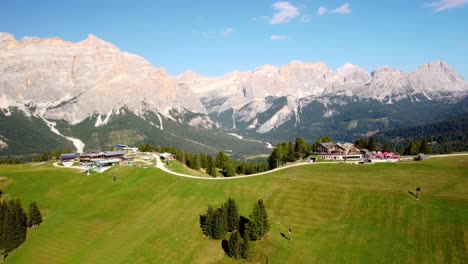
<point>339,213</point>
<point>179,167</point>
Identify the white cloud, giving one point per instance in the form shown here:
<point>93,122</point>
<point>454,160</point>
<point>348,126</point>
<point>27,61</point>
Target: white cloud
<point>343,9</point>
<point>322,11</point>
<point>442,5</point>
<point>285,12</point>
<point>278,37</point>
<point>227,32</point>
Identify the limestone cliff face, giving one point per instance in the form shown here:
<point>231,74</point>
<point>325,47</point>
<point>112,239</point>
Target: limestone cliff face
<point>56,79</point>
<point>72,81</point>
<point>301,82</point>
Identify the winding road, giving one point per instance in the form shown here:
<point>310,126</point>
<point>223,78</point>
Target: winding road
<point>160,165</point>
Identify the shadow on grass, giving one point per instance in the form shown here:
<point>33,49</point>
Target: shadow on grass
<point>283,235</point>
<point>224,245</point>
<point>415,195</point>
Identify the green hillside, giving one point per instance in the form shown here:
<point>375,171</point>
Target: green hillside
<point>133,130</point>
<point>339,214</point>
<point>445,136</point>
<point>28,135</point>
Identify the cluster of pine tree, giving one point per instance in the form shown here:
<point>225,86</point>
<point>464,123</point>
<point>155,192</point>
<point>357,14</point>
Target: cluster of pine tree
<point>217,222</point>
<point>415,147</point>
<point>248,168</point>
<point>444,136</point>
<point>14,223</point>
<point>10,160</point>
<point>226,165</point>
<point>49,155</point>
<point>45,156</point>
<point>408,147</point>
<point>195,161</point>
<point>371,144</point>
<point>288,152</point>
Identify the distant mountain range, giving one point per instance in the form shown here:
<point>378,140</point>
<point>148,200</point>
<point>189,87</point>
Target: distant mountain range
<point>93,95</point>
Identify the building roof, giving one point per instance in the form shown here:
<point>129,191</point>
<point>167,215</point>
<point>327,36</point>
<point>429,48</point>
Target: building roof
<point>91,155</point>
<point>67,156</point>
<point>105,153</point>
<point>114,153</point>
<point>423,156</point>
<point>328,144</point>
<point>166,155</point>
<point>345,145</point>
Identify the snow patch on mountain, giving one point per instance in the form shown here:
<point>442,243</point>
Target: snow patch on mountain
<point>100,122</point>
<point>79,145</point>
<point>160,121</point>
<point>7,103</point>
<point>3,144</point>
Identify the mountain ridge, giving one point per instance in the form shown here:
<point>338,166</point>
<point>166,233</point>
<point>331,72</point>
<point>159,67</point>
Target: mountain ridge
<point>94,81</point>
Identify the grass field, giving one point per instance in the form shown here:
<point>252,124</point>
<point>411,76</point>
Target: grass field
<point>177,166</point>
<point>339,214</point>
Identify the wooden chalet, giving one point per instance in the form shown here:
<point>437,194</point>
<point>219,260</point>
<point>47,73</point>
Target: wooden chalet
<point>168,156</point>
<point>339,151</point>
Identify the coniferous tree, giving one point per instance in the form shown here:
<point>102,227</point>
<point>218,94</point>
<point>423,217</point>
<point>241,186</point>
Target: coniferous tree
<point>373,145</point>
<point>211,169</point>
<point>21,225</point>
<point>35,217</point>
<point>301,148</point>
<point>197,162</point>
<point>386,148</point>
<point>424,147</point>
<point>235,245</point>
<point>258,225</point>
<point>240,169</point>
<point>278,156</point>
<point>246,250</point>
<point>291,152</point>
<point>206,221</point>
<point>228,169</point>
<point>219,223</point>
<point>203,160</point>
<point>13,232</point>
<point>232,215</point>
<point>3,231</point>
<point>221,160</point>
<point>361,143</point>
<point>411,149</point>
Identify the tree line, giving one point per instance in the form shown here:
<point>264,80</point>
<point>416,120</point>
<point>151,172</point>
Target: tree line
<point>288,152</point>
<point>216,223</point>
<point>44,156</point>
<point>221,164</point>
<point>14,223</point>
<point>407,147</point>
<point>443,136</point>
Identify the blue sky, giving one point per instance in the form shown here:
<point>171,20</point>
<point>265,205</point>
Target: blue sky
<point>216,37</point>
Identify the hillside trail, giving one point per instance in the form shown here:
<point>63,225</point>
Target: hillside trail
<point>160,165</point>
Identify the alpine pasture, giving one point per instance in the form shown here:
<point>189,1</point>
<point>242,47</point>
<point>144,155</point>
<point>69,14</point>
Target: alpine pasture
<point>339,213</point>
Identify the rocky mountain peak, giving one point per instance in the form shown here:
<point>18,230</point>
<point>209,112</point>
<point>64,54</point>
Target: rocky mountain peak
<point>5,39</point>
<point>73,81</point>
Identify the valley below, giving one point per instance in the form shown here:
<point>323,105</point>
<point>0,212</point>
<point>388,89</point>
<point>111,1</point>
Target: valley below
<point>339,212</point>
